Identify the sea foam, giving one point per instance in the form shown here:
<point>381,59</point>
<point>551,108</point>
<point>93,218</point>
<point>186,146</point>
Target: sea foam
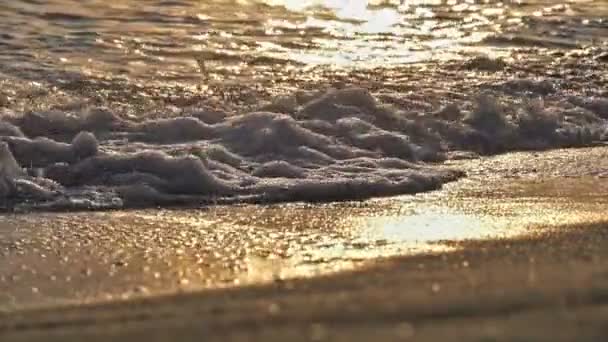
<point>343,144</point>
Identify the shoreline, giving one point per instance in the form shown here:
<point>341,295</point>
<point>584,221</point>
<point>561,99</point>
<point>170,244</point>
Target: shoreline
<point>475,239</point>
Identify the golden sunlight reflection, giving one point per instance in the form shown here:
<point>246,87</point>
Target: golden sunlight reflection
<point>380,32</point>
<point>436,223</point>
<point>375,20</point>
<point>430,226</point>
<point>169,41</point>
<point>237,39</point>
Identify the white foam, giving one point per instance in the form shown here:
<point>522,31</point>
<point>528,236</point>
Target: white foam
<point>339,145</point>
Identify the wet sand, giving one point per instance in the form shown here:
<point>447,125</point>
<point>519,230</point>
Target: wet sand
<point>518,255</point>
<point>549,287</point>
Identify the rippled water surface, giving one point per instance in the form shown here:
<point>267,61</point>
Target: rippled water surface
<point>172,40</point>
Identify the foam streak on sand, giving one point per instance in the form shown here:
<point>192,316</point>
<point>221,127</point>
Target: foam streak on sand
<point>338,145</point>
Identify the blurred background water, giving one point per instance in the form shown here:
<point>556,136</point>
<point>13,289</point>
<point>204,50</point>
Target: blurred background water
<point>172,40</point>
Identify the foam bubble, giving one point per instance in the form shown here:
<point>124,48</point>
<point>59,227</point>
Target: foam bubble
<point>64,126</point>
<point>340,145</point>
<point>9,168</point>
<point>10,130</point>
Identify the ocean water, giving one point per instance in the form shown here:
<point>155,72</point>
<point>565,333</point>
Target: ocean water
<point>115,104</point>
<point>157,39</point>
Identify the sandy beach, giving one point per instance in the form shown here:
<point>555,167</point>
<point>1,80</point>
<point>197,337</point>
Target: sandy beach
<point>541,277</point>
<point>552,286</point>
